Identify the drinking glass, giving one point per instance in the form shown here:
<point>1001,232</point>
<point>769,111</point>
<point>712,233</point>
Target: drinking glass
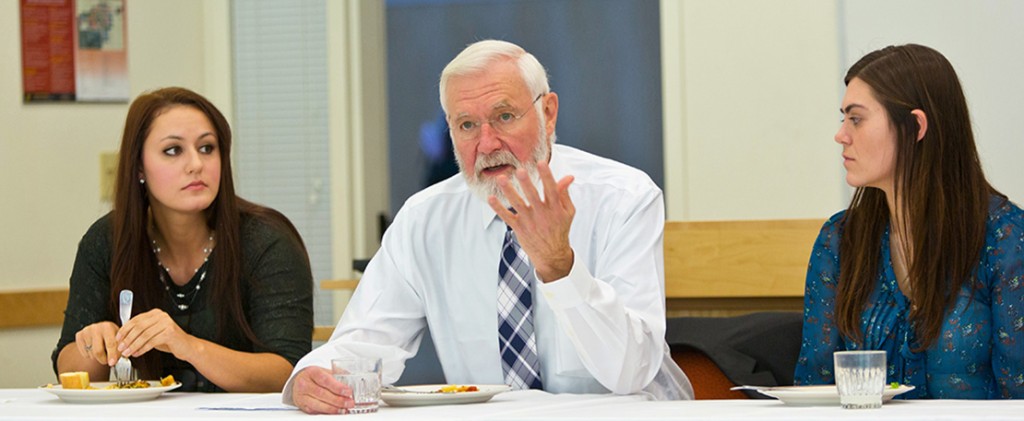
<point>362,375</point>
<point>860,378</point>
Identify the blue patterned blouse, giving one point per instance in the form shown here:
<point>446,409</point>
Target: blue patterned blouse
<point>980,351</point>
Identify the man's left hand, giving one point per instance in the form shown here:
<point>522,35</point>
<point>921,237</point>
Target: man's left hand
<point>541,225</point>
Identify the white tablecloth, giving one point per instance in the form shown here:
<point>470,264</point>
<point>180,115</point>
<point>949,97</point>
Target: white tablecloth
<point>33,404</point>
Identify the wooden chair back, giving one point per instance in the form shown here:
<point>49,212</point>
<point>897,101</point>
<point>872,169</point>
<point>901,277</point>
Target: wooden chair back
<point>707,379</point>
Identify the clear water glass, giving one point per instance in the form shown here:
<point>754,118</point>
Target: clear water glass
<point>860,378</point>
<point>362,375</point>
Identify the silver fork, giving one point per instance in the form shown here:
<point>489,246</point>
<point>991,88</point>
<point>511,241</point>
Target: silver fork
<point>123,368</point>
<point>395,389</point>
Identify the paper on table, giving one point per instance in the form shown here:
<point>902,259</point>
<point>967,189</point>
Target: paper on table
<point>262,402</point>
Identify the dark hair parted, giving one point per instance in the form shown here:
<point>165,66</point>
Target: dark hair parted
<point>133,264</point>
<point>939,183</point>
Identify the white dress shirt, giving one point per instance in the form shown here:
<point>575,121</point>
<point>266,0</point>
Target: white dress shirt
<point>600,329</point>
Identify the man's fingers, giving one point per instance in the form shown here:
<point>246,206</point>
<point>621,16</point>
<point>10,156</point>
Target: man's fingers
<point>547,180</point>
<point>317,392</point>
<point>528,188</point>
<point>506,215</point>
<point>514,200</point>
<point>312,405</point>
<point>563,194</point>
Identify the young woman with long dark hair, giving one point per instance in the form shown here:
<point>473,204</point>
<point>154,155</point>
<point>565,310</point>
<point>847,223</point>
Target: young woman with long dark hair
<point>927,263</point>
<point>222,286</point>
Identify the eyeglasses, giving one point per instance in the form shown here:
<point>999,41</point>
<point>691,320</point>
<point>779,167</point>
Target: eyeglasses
<point>467,128</point>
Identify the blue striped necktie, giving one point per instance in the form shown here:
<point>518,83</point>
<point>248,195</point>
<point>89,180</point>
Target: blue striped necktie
<point>516,340</point>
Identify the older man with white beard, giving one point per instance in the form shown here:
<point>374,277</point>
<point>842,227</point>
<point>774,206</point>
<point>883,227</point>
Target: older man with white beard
<point>522,279</point>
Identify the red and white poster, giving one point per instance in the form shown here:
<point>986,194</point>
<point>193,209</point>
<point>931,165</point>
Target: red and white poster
<point>74,50</point>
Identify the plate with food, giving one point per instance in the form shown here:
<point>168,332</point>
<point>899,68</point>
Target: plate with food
<point>823,395</point>
<point>76,388</point>
<point>440,394</point>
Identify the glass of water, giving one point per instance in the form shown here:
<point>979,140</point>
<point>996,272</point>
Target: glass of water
<point>362,375</point>
<point>860,378</point>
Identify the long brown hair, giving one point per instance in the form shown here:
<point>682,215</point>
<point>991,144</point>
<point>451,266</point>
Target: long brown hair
<point>133,264</point>
<point>938,181</point>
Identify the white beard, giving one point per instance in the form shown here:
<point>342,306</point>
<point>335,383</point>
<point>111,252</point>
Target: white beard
<point>486,187</point>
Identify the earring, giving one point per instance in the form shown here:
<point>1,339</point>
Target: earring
<point>142,181</point>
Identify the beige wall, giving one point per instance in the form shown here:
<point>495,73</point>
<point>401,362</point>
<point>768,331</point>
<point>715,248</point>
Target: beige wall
<point>49,153</point>
<point>751,89</point>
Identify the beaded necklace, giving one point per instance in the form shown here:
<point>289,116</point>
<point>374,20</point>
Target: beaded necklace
<point>189,297</point>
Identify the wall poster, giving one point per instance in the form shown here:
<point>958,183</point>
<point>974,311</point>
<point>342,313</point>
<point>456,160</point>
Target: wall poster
<point>74,50</point>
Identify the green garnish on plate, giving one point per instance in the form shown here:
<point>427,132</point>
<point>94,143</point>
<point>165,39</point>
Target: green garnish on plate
<point>894,385</point>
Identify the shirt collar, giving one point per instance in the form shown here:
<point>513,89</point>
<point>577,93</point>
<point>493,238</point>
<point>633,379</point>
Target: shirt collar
<point>487,215</point>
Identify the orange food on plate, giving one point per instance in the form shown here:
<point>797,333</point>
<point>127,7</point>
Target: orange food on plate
<point>454,388</point>
<point>80,380</point>
<point>74,380</point>
<point>137,384</point>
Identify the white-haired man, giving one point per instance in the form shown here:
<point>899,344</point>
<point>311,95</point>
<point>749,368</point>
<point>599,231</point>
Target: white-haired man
<point>522,279</point>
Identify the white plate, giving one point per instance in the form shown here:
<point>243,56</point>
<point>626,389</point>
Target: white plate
<point>825,395</point>
<point>101,395</point>
<point>484,394</point>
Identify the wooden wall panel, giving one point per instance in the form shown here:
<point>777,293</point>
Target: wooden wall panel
<point>27,308</point>
<point>738,258</point>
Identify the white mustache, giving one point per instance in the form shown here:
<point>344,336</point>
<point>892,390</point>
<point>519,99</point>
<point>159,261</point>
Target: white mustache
<point>501,157</point>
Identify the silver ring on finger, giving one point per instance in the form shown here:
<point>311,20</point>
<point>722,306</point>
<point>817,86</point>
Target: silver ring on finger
<point>88,348</point>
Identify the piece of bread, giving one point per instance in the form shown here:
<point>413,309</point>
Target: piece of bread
<point>74,380</point>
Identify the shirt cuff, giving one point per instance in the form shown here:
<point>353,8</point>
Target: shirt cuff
<point>570,291</point>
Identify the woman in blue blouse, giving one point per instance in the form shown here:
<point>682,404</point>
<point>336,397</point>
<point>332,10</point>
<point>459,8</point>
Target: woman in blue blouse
<point>927,263</point>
